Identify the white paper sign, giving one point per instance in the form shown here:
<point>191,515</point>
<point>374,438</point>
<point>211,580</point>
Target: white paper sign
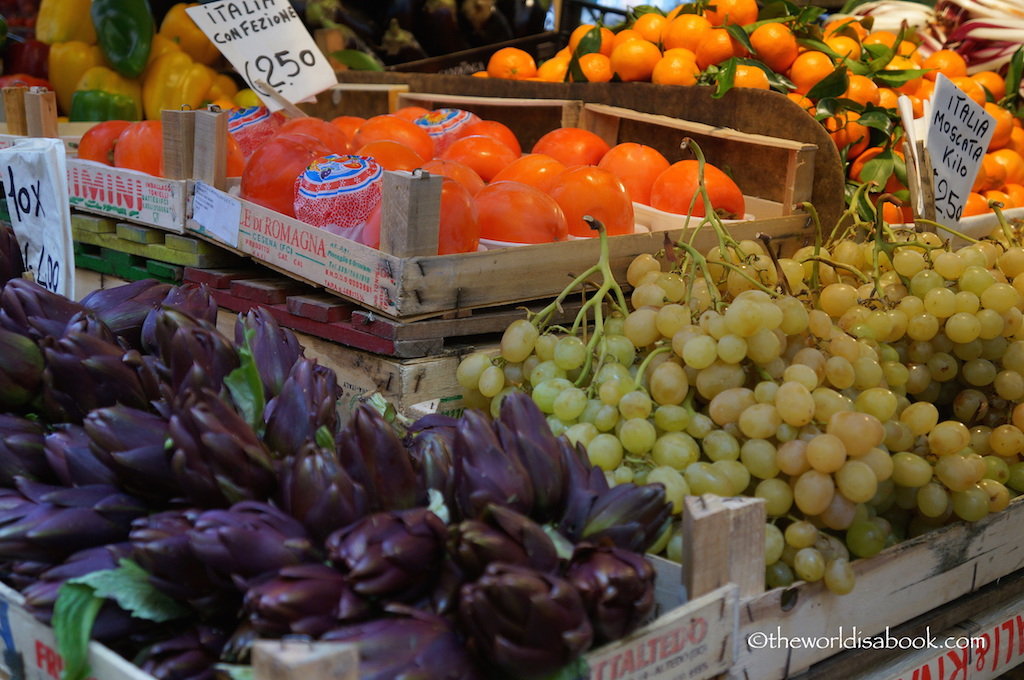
<point>958,135</point>
<point>266,40</point>
<point>216,213</point>
<point>35,183</point>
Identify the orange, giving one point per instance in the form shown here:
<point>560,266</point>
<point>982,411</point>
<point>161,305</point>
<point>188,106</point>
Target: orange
<point>887,38</point>
<point>637,166</point>
<point>1004,126</point>
<point>596,67</point>
<point>740,12</point>
<point>845,46</point>
<point>634,60</point>
<point>847,133</point>
<point>971,88</point>
<point>808,70</point>
<point>895,214</point>
<point>685,31</point>
<point>554,69</point>
<point>862,90</point>
<point>947,62</point>
<point>1016,140</point>
<point>925,89</point>
<point>583,29</point>
<point>677,66</point>
<point>992,82</point>
<point>624,35</point>
<point>512,63</point>
<point>976,204</point>
<point>991,174</point>
<point>750,76</point>
<point>909,50</point>
<point>716,46</point>
<point>1013,162</point>
<point>650,26</point>
<point>849,26</point>
<point>900,63</point>
<point>775,45</point>
<point>676,11</point>
<point>803,101</point>
<point>1000,197</point>
<point>1016,192</point>
<point>857,167</point>
<point>887,97</point>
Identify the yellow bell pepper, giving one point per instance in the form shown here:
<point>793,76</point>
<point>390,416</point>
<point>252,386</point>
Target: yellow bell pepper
<point>174,81</point>
<point>178,26</point>
<point>224,87</point>
<point>161,46</point>
<point>68,61</point>
<point>63,20</point>
<point>108,80</point>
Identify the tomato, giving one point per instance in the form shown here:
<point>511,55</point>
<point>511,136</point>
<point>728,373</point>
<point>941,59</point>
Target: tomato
<point>395,129</point>
<point>236,159</point>
<point>536,169</point>
<point>97,144</point>
<point>391,155</point>
<point>675,188</point>
<point>461,173</point>
<point>486,155</point>
<point>589,190</point>
<point>410,113</point>
<point>140,146</point>
<point>637,166</point>
<point>519,213</point>
<point>332,136</point>
<point>499,131</point>
<point>460,220</point>
<point>348,124</point>
<point>269,176</point>
<point>572,146</point>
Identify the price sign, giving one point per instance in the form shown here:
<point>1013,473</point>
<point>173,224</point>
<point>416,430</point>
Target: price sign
<point>958,135</point>
<point>266,41</point>
<point>35,185</point>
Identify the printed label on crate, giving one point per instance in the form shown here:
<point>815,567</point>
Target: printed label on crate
<point>33,174</point>
<point>265,40</point>
<point>988,653</point>
<point>127,195</point>
<point>216,214</point>
<point>314,254</point>
<point>692,642</point>
<point>959,131</point>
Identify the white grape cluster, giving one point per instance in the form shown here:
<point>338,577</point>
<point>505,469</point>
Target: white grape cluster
<point>874,399</point>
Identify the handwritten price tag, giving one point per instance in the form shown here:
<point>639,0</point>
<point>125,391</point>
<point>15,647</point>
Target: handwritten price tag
<point>35,184</point>
<point>958,135</point>
<point>265,40</point>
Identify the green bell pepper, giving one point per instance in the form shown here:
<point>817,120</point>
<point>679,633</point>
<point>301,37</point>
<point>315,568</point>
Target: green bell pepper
<point>97,105</point>
<point>124,31</point>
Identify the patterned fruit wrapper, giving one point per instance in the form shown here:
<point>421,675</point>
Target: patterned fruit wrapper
<point>446,126</point>
<point>252,126</point>
<point>337,193</point>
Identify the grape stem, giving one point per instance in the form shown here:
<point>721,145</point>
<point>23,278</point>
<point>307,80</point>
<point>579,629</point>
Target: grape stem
<point>954,232</point>
<point>815,268</point>
<point>642,370</point>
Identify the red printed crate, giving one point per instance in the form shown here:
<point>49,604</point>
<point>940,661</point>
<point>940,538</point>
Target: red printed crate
<point>127,195</point>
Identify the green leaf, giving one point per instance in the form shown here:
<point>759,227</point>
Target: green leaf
<point>1014,73</point>
<point>738,34</point>
<point>897,77</point>
<point>879,168</point>
<point>130,588</point>
<point>589,43</point>
<point>814,44</point>
<point>877,119</point>
<point>74,614</point>
<point>235,671</point>
<point>725,78</point>
<point>246,387</point>
<point>832,85</point>
<point>357,60</point>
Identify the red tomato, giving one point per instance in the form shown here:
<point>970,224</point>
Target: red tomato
<point>675,188</point>
<point>391,155</point>
<point>141,147</point>
<point>589,190</point>
<point>269,176</point>
<point>332,136</point>
<point>637,166</point>
<point>500,131</point>
<point>519,213</point>
<point>460,221</point>
<point>461,173</point>
<point>536,169</point>
<point>97,144</point>
<point>236,159</point>
<point>395,129</point>
<point>572,146</point>
<point>348,124</point>
<point>486,155</point>
<point>410,113</point>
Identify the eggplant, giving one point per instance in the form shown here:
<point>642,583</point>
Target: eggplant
<point>527,17</point>
<point>398,45</point>
<point>483,23</point>
<point>438,28</point>
<point>407,12</point>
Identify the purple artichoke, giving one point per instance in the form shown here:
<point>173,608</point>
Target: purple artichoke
<point>410,644</point>
<point>194,301</point>
<point>308,401</point>
<point>631,516</point>
<point>29,309</point>
<point>391,555</point>
<point>12,264</point>
<point>431,456</point>
<point>307,599</point>
<point>132,443</point>
<point>484,472</point>
<point>190,655</point>
<point>21,451</point>
<point>523,432</point>
<point>21,369</point>
<point>583,483</point>
<point>218,459</point>
<point>196,353</point>
<point>526,623</point>
<point>248,542</point>
<point>69,454</point>
<point>373,454</point>
<point>617,587</point>
<point>501,535</point>
<point>274,348</point>
<point>314,489</point>
<point>124,308</point>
